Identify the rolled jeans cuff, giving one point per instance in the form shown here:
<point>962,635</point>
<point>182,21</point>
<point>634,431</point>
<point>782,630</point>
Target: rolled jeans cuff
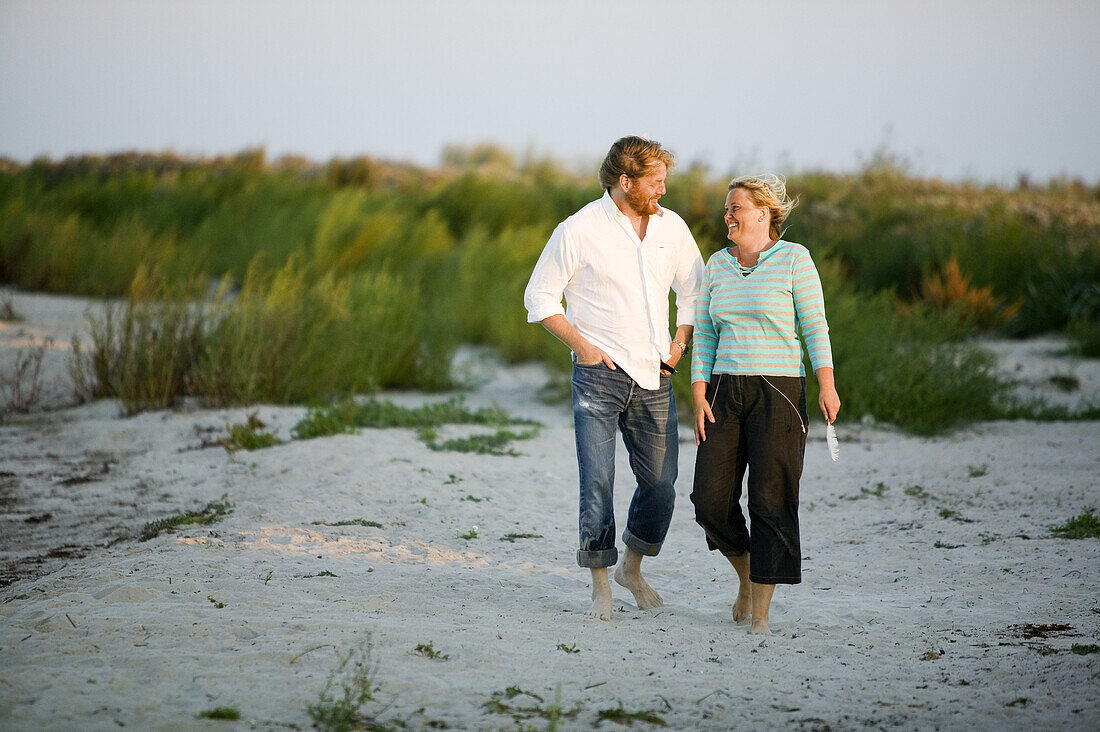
<point>642,547</point>
<point>598,559</point>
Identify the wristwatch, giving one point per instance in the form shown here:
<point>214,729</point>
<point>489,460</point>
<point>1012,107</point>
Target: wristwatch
<point>683,346</point>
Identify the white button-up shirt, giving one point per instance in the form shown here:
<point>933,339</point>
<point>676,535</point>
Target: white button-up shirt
<point>616,285</point>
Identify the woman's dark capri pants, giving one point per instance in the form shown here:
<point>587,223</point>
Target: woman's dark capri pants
<point>757,429</point>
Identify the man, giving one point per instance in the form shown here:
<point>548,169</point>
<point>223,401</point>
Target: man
<point>614,261</point>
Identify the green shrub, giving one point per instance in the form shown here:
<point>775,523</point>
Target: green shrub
<point>901,366</point>
<point>365,274</point>
<point>1084,336</point>
<point>142,351</point>
<point>249,436</point>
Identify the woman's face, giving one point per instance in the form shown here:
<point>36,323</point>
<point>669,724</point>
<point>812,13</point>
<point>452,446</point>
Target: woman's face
<point>744,219</point>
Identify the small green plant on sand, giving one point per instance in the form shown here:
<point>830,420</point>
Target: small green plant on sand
<point>502,702</point>
<point>220,713</point>
<point>1084,649</point>
<point>349,416</point>
<point>569,649</point>
<point>620,715</point>
<point>349,686</point>
<point>471,534</point>
<point>210,513</point>
<point>248,436</point>
<point>325,421</point>
<point>215,602</point>
<point>496,443</point>
<point>977,471</point>
<point>349,522</point>
<point>916,491</point>
<point>879,491</point>
<point>1084,526</point>
<point>427,650</point>
<point>513,537</point>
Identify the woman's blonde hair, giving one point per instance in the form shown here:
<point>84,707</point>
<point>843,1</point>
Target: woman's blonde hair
<point>632,156</point>
<point>768,191</point>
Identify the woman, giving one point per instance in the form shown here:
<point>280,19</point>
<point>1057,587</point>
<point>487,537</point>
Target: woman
<point>749,391</point>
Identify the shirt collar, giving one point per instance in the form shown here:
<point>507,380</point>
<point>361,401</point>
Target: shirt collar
<point>612,210</point>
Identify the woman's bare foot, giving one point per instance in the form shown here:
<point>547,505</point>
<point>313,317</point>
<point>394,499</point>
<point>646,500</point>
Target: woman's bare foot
<point>629,575</point>
<point>761,603</point>
<point>760,628</point>
<point>601,595</point>
<point>742,607</point>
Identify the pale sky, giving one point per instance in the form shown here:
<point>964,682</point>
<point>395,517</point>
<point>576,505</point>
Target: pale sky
<point>979,90</point>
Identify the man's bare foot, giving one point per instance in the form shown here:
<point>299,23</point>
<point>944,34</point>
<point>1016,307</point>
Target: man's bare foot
<point>742,607</point>
<point>601,595</point>
<point>629,575</point>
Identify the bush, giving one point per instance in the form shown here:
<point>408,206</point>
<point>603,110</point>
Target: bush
<point>143,351</point>
<point>365,274</point>
<point>901,366</point>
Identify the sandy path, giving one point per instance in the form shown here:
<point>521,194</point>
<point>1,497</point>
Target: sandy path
<point>910,614</point>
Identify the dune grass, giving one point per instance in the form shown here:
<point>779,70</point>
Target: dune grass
<point>349,686</point>
<point>343,278</point>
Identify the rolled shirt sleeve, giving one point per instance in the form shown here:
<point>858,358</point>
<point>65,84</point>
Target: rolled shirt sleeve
<point>688,281</point>
<point>546,288</point>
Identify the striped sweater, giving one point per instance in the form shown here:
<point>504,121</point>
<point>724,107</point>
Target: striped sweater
<point>750,325</point>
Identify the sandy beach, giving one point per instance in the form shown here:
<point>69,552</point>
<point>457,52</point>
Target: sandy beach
<point>934,594</point>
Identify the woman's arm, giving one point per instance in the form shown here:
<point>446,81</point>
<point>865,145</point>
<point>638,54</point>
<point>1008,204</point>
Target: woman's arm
<point>809,308</point>
<point>701,409</point>
<point>827,400</point>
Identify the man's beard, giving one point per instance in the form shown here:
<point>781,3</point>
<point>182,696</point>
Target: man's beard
<point>641,205</point>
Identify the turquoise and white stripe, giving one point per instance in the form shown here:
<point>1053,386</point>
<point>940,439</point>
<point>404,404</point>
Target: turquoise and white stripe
<point>751,325</point>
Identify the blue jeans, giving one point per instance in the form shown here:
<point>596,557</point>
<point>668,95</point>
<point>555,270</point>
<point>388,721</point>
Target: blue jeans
<point>605,401</point>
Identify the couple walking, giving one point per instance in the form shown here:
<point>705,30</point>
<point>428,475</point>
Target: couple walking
<point>614,262</point>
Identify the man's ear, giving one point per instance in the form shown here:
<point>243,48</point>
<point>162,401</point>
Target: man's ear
<point>624,182</point>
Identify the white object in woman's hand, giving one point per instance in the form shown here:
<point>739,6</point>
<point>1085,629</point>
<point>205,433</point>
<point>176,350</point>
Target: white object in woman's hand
<point>834,443</point>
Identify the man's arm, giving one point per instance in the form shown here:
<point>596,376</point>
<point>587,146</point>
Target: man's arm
<point>687,285</point>
<point>676,351</point>
<point>587,354</point>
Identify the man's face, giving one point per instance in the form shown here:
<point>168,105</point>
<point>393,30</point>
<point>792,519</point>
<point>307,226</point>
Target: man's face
<point>642,193</point>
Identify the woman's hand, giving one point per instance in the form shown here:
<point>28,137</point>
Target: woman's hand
<point>828,400</point>
<point>701,409</point>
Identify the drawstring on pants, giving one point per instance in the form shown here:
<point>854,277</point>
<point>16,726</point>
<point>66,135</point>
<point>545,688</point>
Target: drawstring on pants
<point>765,378</point>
